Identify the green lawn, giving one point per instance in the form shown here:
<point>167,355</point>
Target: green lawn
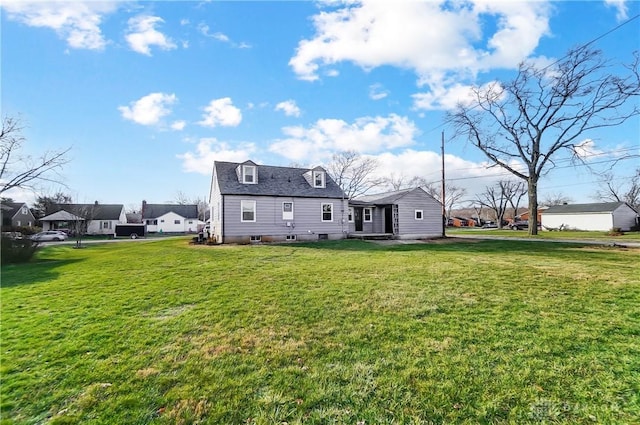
<point>544,234</point>
<point>346,332</point>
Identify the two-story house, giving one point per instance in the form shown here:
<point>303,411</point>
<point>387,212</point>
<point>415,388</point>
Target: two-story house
<point>252,203</point>
<point>17,214</point>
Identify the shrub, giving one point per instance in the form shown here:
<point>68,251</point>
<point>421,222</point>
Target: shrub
<point>16,250</point>
<point>616,231</point>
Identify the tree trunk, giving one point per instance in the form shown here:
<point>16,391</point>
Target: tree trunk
<point>532,187</point>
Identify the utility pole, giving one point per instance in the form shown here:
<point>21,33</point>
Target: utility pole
<point>444,217</point>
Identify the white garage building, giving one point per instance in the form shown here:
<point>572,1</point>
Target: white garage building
<point>601,216</point>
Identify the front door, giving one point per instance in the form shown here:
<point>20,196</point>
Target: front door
<point>357,218</point>
<point>388,220</point>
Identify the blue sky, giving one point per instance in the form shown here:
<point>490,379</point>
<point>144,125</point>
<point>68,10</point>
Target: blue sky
<point>149,94</point>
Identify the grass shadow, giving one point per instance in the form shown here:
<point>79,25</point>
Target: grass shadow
<point>463,246</point>
<point>36,271</point>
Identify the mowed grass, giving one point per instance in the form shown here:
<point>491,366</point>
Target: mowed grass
<point>346,332</point>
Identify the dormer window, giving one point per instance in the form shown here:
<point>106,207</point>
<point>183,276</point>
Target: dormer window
<point>249,174</point>
<point>318,179</point>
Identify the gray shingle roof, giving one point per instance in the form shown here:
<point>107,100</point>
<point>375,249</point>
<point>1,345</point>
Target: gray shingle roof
<point>601,207</point>
<point>383,198</point>
<point>89,211</point>
<point>274,181</point>
<point>158,210</point>
<point>12,208</point>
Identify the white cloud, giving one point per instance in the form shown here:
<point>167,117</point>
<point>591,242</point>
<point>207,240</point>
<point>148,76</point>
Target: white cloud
<point>621,8</point>
<point>377,92</point>
<point>149,109</point>
<point>77,22</point>
<point>178,125</point>
<point>221,112</point>
<point>209,150</point>
<point>472,176</point>
<point>289,108</point>
<point>447,97</point>
<point>444,43</point>
<point>326,136</point>
<point>205,30</point>
<point>586,150</point>
<point>142,34</point>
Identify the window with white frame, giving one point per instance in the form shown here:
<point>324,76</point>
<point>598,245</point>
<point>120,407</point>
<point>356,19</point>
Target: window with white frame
<point>327,212</point>
<point>366,212</point>
<point>418,214</point>
<point>176,221</point>
<point>25,210</point>
<point>291,237</point>
<point>318,179</point>
<point>350,214</point>
<point>248,210</point>
<point>287,210</point>
<point>106,225</point>
<point>249,174</point>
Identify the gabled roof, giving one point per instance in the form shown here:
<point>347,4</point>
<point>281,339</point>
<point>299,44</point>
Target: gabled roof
<point>88,211</point>
<point>602,207</point>
<point>62,215</point>
<point>274,181</point>
<point>12,208</point>
<point>158,210</point>
<point>383,198</point>
<point>387,197</point>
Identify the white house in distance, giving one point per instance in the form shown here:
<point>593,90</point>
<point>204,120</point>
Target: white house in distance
<point>600,216</point>
<point>92,219</point>
<point>171,218</point>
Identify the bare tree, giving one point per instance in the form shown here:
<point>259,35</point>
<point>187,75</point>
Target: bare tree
<point>353,173</point>
<point>400,181</point>
<point>514,192</point>
<point>542,113</point>
<point>23,171</point>
<point>495,200</point>
<point>629,193</point>
<point>555,199</point>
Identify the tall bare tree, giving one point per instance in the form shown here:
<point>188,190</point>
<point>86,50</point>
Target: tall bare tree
<point>495,199</point>
<point>353,173</point>
<point>629,192</point>
<point>24,171</point>
<point>544,111</point>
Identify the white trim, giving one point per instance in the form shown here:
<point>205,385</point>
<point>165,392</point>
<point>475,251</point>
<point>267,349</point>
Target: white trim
<point>351,214</point>
<point>322,212</point>
<point>418,212</point>
<point>321,182</point>
<point>364,215</point>
<point>250,205</point>
<point>287,215</point>
<point>253,174</point>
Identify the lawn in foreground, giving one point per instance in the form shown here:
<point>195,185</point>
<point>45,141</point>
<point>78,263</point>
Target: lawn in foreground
<point>339,332</point>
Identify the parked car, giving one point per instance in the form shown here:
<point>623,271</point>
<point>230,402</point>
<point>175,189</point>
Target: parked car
<point>490,225</point>
<point>49,235</point>
<point>12,235</point>
<point>519,225</point>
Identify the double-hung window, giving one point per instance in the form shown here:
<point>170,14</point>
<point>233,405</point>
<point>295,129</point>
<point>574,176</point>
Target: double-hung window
<point>249,174</point>
<point>367,214</point>
<point>418,214</point>
<point>248,211</point>
<point>327,212</point>
<point>318,179</point>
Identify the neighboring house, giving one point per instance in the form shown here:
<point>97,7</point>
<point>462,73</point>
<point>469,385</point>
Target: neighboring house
<point>171,218</point>
<point>403,214</point>
<point>17,214</point>
<point>601,216</point>
<point>461,222</point>
<point>252,203</point>
<point>91,219</point>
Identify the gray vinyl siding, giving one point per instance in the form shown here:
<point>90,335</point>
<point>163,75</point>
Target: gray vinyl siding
<point>625,218</point>
<point>431,223</point>
<point>306,224</point>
